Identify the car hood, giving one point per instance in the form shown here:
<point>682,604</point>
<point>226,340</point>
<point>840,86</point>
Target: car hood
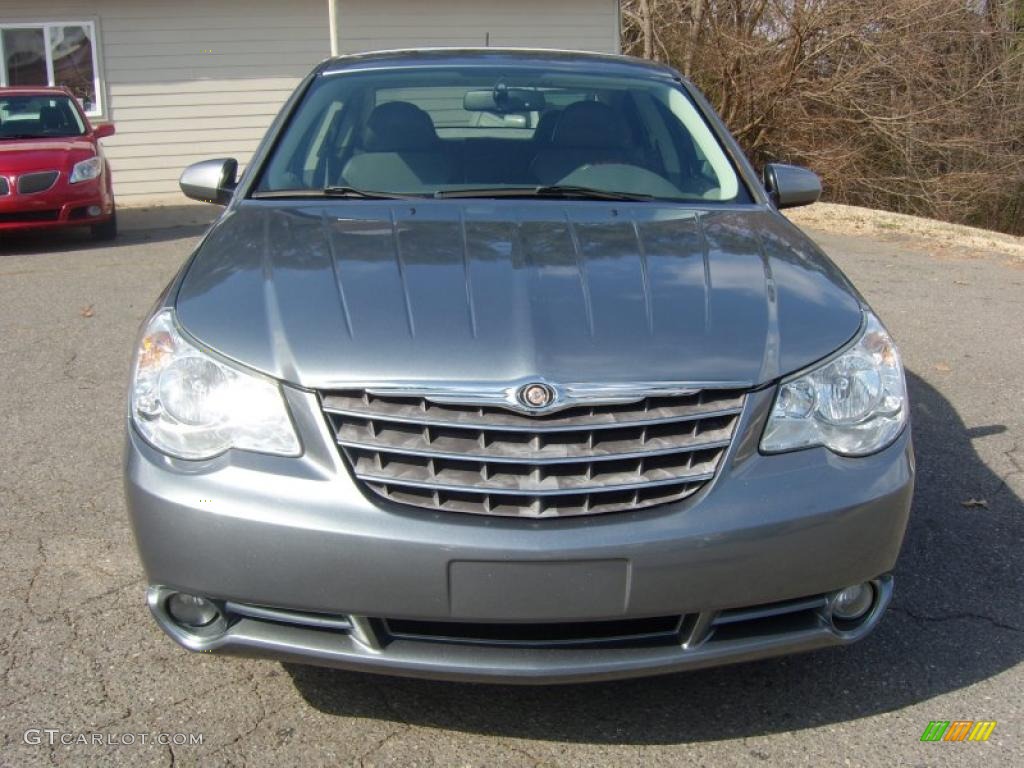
<point>18,155</point>
<point>338,293</point>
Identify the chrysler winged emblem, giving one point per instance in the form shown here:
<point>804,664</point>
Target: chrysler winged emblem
<point>536,395</point>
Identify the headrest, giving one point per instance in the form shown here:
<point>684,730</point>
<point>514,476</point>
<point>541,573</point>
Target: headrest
<point>51,117</point>
<point>546,126</point>
<point>591,124</point>
<point>398,126</point>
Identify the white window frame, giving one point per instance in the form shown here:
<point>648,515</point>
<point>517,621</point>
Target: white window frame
<point>99,108</point>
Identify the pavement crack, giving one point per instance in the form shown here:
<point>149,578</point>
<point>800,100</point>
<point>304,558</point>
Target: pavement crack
<point>262,717</point>
<point>11,652</point>
<point>1011,454</point>
<point>401,727</point>
<point>37,571</point>
<point>965,615</point>
<point>525,753</point>
<point>133,582</point>
<point>126,716</point>
<point>41,551</point>
<point>396,731</point>
<point>69,365</point>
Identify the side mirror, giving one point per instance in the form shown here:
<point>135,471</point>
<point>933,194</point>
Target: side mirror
<point>103,130</point>
<point>211,181</point>
<point>790,185</point>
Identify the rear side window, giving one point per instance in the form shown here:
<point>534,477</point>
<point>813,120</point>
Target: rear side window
<point>430,130</point>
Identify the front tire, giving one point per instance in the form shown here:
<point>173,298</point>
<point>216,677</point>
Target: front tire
<point>106,230</point>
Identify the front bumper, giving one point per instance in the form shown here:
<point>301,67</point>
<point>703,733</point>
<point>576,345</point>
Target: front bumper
<point>299,536</point>
<point>701,643</point>
<point>64,205</point>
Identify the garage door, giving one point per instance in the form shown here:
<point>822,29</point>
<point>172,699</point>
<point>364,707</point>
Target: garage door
<point>366,25</point>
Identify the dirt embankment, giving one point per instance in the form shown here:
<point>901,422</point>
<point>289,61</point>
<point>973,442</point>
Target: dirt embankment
<point>852,220</point>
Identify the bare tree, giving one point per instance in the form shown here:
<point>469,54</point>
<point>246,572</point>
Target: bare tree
<point>911,105</point>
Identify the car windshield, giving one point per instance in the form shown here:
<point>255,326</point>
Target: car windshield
<point>25,116</point>
<point>482,132</point>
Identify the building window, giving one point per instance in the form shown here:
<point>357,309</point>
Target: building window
<point>53,53</point>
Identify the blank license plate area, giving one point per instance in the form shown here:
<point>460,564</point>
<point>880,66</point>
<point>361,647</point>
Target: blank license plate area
<point>538,591</point>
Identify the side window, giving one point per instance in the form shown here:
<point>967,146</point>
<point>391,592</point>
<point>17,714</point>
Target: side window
<point>697,174</point>
<point>309,155</point>
<point>53,53</point>
<point>317,147</point>
<point>660,134</point>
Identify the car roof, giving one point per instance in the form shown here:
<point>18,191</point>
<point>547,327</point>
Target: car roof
<point>584,61</point>
<point>36,90</point>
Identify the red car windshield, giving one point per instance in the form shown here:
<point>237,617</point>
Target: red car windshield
<point>27,116</point>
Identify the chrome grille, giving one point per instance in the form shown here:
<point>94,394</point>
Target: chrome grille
<point>489,460</point>
<point>31,183</point>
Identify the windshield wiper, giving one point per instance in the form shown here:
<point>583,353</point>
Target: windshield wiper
<point>547,190</point>
<point>564,191</point>
<point>349,192</point>
<point>573,190</point>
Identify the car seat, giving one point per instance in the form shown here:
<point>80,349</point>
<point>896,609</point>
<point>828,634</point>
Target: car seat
<point>399,151</point>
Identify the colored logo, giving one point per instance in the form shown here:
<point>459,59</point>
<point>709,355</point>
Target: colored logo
<point>958,730</point>
<point>536,395</point>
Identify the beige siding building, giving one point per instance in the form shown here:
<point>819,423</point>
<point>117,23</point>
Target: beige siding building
<point>185,80</point>
<point>583,25</point>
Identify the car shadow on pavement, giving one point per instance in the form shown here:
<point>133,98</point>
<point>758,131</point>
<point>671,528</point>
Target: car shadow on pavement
<point>135,226</point>
<point>955,620</point>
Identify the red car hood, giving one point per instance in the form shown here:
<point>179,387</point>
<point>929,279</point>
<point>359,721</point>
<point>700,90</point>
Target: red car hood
<point>17,155</point>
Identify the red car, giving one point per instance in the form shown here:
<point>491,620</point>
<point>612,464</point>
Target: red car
<point>53,172</point>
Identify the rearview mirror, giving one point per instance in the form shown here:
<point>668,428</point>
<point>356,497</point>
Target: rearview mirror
<point>790,185</point>
<point>210,181</point>
<point>502,99</point>
<point>103,130</point>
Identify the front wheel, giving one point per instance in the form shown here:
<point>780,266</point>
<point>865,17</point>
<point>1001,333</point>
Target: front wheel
<point>106,230</point>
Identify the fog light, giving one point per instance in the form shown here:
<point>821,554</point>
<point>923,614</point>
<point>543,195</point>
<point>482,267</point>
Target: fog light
<point>191,610</point>
<point>94,210</point>
<point>853,602</point>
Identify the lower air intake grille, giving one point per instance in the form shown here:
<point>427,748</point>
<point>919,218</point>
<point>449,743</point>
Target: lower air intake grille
<point>493,461</point>
<point>627,632</point>
<point>28,217</point>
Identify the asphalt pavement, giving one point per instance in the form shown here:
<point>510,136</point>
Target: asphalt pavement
<point>85,670</point>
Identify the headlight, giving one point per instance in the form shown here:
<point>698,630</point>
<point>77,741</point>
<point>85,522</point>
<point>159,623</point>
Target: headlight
<point>86,170</point>
<point>854,404</point>
<point>193,405</point>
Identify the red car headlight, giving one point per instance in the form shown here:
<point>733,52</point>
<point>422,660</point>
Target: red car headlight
<point>86,170</point>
